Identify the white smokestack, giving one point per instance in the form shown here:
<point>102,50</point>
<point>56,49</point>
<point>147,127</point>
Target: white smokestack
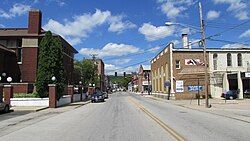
<point>185,41</point>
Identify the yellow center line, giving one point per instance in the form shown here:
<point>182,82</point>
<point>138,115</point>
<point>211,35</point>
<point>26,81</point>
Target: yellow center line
<point>171,131</point>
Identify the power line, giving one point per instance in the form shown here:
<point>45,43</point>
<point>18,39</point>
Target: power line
<point>226,41</point>
<point>226,30</point>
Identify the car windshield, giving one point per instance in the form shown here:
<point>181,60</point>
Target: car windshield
<point>97,94</point>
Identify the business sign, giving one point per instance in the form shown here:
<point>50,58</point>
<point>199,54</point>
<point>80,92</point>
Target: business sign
<point>179,86</point>
<point>195,88</point>
<point>193,62</point>
<point>247,74</point>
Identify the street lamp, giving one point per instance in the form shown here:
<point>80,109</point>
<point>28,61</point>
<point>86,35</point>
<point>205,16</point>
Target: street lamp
<point>53,78</point>
<point>3,74</point>
<point>9,79</point>
<point>169,23</point>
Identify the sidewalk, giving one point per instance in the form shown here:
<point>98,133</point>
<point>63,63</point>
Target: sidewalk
<point>235,109</point>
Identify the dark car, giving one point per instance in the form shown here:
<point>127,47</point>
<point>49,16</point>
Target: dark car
<point>231,94</point>
<point>97,97</point>
<point>247,93</point>
<point>4,107</point>
<point>105,94</point>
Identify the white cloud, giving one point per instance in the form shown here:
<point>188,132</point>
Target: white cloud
<point>83,25</point>
<point>110,49</point>
<point>173,8</point>
<point>121,61</point>
<point>117,25</point>
<point>153,33</point>
<point>237,7</point>
<point>245,34</point>
<point>176,42</point>
<point>154,49</point>
<point>235,46</point>
<point>1,25</point>
<point>16,10</point>
<point>211,15</point>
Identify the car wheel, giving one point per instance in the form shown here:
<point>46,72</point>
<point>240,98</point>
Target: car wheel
<point>6,109</point>
<point>231,97</point>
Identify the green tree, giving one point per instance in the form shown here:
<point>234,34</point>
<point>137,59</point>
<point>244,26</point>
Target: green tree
<point>87,71</point>
<point>50,64</point>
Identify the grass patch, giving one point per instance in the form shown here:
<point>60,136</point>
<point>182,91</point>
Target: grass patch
<point>25,95</point>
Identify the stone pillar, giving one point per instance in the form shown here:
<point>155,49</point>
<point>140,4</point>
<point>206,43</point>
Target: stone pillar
<point>8,93</point>
<point>52,96</point>
<point>80,91</point>
<point>1,92</point>
<point>225,82</point>
<point>71,92</point>
<point>240,85</point>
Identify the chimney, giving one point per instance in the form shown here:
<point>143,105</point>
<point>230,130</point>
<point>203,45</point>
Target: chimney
<point>185,41</point>
<point>35,21</point>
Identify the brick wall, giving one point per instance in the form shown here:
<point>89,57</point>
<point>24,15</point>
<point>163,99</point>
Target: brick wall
<point>29,64</point>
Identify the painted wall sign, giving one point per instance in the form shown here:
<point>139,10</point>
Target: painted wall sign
<point>179,86</point>
<point>193,62</point>
<point>195,88</point>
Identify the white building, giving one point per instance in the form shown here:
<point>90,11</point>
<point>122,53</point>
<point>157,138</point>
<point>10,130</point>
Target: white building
<point>229,70</point>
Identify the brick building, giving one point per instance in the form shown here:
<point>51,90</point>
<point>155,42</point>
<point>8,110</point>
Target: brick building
<point>25,43</point>
<point>100,73</point>
<point>228,69</point>
<point>144,79</point>
<point>7,57</point>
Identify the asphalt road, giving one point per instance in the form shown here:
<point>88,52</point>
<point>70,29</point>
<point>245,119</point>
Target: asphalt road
<point>12,114</point>
<point>130,117</point>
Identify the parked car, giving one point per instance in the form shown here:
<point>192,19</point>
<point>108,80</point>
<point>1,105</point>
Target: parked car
<point>97,97</point>
<point>105,94</point>
<point>4,107</point>
<point>247,93</point>
<point>231,94</point>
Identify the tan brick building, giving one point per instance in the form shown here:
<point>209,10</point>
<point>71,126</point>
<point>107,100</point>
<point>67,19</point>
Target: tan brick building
<point>144,79</point>
<point>183,67</point>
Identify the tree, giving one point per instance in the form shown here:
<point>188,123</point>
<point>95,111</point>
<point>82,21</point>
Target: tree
<point>50,64</point>
<point>87,71</point>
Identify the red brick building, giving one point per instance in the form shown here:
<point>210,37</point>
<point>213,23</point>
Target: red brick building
<point>25,43</point>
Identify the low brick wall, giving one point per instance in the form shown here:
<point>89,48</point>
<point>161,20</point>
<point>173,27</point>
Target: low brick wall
<point>23,87</point>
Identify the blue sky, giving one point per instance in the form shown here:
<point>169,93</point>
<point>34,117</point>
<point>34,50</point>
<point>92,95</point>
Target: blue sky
<point>125,32</point>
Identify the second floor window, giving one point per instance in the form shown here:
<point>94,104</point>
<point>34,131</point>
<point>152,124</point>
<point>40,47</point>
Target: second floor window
<point>19,54</point>
<point>177,64</point>
<point>239,58</point>
<point>229,60</point>
<point>215,58</point>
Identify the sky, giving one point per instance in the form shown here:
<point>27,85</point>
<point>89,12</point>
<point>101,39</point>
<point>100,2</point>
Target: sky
<point>127,33</point>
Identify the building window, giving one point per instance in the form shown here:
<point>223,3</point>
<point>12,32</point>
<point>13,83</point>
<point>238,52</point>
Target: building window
<point>229,59</point>
<point>19,55</point>
<point>239,58</point>
<point>215,58</point>
<point>177,64</point>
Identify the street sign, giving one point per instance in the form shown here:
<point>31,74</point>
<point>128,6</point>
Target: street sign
<point>247,74</point>
<point>195,88</point>
<point>179,86</point>
<point>167,84</point>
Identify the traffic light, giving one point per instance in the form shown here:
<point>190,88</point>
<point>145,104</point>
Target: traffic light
<point>115,74</point>
<point>124,74</point>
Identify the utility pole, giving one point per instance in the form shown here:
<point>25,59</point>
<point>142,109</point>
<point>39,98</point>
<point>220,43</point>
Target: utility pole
<point>203,43</point>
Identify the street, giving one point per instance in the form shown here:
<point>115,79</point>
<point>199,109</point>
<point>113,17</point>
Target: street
<point>132,117</point>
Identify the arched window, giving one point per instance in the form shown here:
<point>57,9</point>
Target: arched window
<point>215,58</point>
<point>239,58</point>
<point>229,59</point>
